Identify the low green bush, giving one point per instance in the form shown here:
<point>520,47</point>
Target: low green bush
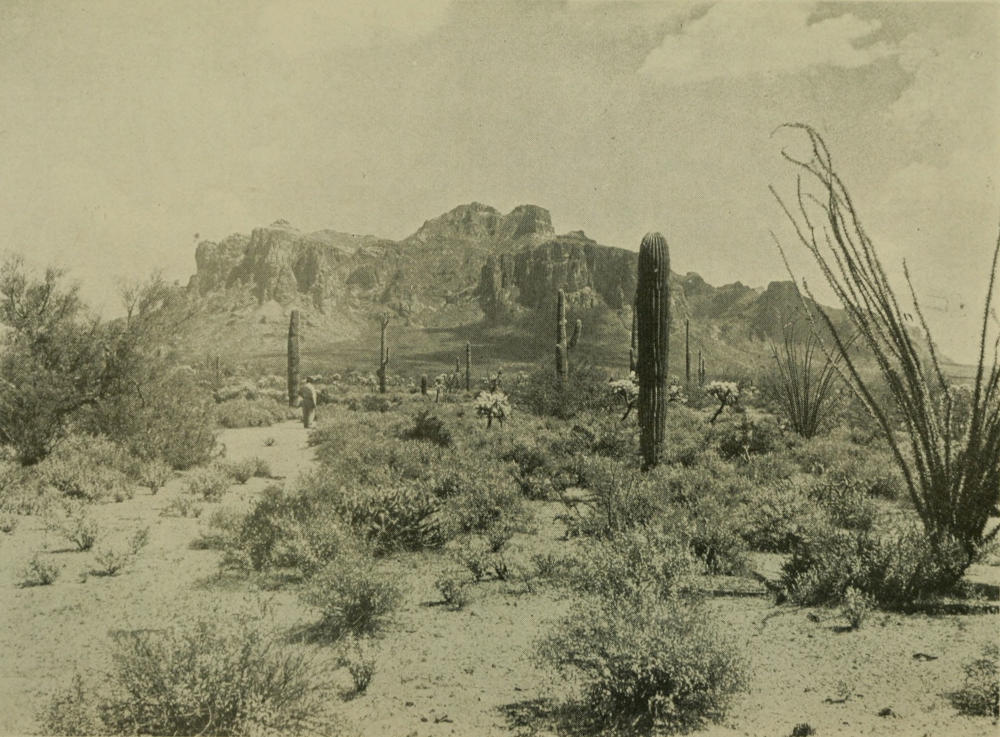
<point>85,467</point>
<point>399,517</point>
<point>980,693</point>
<point>666,665</point>
<point>352,596</point>
<point>429,427</point>
<point>542,393</point>
<point>40,571</point>
<point>111,558</point>
<point>210,482</point>
<point>777,515</point>
<point>154,474</point>
<point>893,562</point>
<point>218,675</point>
<point>262,412</point>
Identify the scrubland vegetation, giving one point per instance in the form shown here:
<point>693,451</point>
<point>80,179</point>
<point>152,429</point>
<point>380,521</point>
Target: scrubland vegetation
<point>648,543</point>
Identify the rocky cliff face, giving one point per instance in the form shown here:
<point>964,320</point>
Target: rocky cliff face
<point>469,259</point>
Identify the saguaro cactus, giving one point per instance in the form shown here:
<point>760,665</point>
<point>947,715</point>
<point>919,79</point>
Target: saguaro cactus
<point>633,347</point>
<point>383,352</point>
<point>293,359</point>
<point>652,301</point>
<point>687,351</point>
<point>701,370</point>
<point>468,366</point>
<point>562,346</point>
<point>423,385</point>
<point>577,332</point>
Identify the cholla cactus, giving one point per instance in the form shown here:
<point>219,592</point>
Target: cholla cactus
<point>626,390</point>
<point>675,392</point>
<point>493,406</point>
<point>726,392</point>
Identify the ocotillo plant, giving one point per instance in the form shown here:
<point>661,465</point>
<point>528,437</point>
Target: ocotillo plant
<point>383,353</point>
<point>652,301</point>
<point>293,359</point>
<point>562,348</point>
<point>468,366</point>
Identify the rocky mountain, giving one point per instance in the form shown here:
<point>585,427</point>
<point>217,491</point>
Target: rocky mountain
<point>470,266</point>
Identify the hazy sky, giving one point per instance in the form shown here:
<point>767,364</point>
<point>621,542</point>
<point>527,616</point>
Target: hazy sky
<point>128,127</point>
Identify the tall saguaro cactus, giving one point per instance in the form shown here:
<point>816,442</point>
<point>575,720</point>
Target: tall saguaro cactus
<point>293,359</point>
<point>652,301</point>
<point>687,352</point>
<point>562,346</point>
<point>633,346</point>
<point>383,352</point>
<point>468,366</point>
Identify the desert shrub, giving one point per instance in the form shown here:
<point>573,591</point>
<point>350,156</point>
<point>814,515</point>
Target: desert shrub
<point>856,606</point>
<point>543,393</point>
<point>112,558</point>
<point>650,664</point>
<point>430,428</point>
<point>453,588</point>
<point>619,499</point>
<point>494,500</point>
<point>173,419</point>
<point>473,553</point>
<point>399,517</point>
<point>219,675</point>
<point>75,523</point>
<point>689,435</point>
<point>845,500</point>
<point>634,564</point>
<point>287,530</point>
<point>745,436</point>
<point>980,693</point>
<point>182,506</point>
<point>893,562</point>
<point>73,711</point>
<point>154,474</point>
<point>378,403</point>
<point>776,515</point>
<point>85,468</point>
<point>242,470</point>
<point>39,571</point>
<point>769,468</point>
<point>249,412</point>
<point>8,521</point>
<point>210,483</point>
<point>352,597</point>
<point>358,656</point>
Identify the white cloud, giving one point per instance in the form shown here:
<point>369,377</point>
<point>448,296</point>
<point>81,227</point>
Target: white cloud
<point>742,39</point>
<point>303,27</point>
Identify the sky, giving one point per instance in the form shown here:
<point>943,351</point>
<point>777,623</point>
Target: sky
<point>131,130</point>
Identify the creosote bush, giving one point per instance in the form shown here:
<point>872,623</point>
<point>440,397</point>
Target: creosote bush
<point>40,571</point>
<point>210,483</point>
<point>980,693</point>
<point>219,675</point>
<point>352,597</point>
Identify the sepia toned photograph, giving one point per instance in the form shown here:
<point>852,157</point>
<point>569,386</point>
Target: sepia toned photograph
<point>499,368</point>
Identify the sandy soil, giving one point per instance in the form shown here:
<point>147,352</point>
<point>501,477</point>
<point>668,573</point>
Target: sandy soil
<point>468,672</point>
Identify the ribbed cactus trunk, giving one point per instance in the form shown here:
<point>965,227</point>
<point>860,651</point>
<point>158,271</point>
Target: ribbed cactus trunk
<point>468,366</point>
<point>293,359</point>
<point>423,385</point>
<point>652,301</point>
<point>383,354</point>
<point>633,348</point>
<point>562,346</point>
<point>687,352</point>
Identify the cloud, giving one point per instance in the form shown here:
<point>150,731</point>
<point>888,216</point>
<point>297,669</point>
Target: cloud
<point>303,27</point>
<point>744,39</point>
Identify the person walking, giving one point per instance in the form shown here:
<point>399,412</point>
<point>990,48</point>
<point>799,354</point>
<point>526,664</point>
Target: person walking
<point>308,394</point>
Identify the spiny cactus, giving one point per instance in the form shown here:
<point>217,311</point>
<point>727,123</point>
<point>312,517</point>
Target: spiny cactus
<point>423,385</point>
<point>562,349</point>
<point>701,370</point>
<point>577,331</point>
<point>633,346</point>
<point>383,353</point>
<point>468,366</point>
<point>653,327</point>
<point>563,345</point>
<point>687,352</point>
<point>293,359</point>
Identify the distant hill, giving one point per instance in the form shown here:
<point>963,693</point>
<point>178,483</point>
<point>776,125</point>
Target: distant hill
<point>473,274</point>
